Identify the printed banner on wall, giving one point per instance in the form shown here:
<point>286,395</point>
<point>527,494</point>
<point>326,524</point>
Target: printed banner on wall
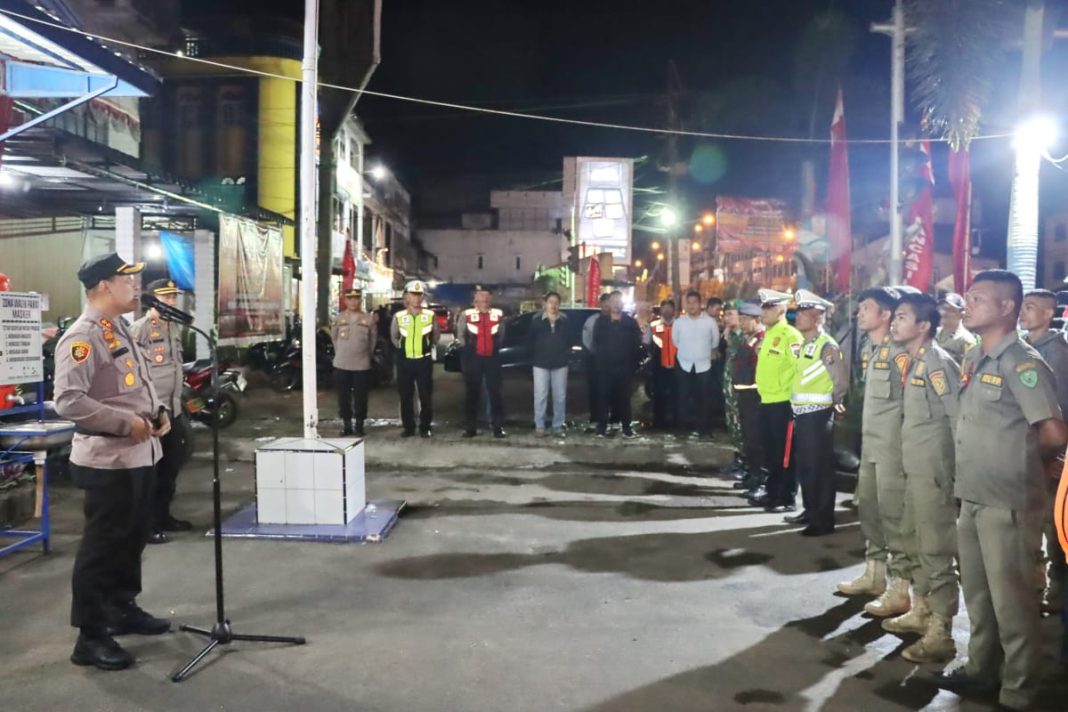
<point>744,224</point>
<point>250,282</point>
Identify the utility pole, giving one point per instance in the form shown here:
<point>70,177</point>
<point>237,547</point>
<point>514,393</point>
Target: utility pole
<point>308,242</point>
<point>672,231</point>
<point>896,30</point>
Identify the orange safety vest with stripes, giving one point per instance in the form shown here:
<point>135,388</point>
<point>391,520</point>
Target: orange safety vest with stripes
<point>662,339</point>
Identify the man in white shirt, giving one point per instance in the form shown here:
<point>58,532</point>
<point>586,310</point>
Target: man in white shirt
<point>696,336</point>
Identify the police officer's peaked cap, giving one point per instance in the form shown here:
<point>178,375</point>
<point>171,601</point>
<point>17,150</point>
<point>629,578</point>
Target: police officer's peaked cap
<point>810,300</point>
<point>952,299</point>
<point>749,309</point>
<point>480,288</point>
<point>904,289</point>
<point>96,269</point>
<point>416,286</point>
<point>353,292</point>
<point>163,287</point>
<point>771,298</point>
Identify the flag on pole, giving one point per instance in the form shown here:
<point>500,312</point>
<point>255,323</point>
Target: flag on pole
<point>919,227</point>
<point>960,177</point>
<point>593,286</point>
<point>839,225</point>
<point>348,271</point>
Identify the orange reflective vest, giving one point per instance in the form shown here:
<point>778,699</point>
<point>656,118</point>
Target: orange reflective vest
<point>662,339</point>
<point>1060,511</point>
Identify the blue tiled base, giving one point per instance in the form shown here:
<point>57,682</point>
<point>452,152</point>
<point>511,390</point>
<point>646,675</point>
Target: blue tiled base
<point>367,528</point>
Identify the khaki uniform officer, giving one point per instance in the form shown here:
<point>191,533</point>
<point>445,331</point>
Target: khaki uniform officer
<point>103,385</point>
<point>1009,429</point>
<point>160,342</point>
<point>952,336</point>
<point>930,414</point>
<point>353,333</point>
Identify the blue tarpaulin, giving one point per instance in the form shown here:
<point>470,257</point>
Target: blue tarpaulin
<point>179,252</point>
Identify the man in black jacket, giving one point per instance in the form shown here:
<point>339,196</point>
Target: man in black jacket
<point>617,341</point>
<point>550,351</point>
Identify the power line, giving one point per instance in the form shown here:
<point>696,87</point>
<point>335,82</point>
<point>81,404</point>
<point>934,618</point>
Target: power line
<point>474,109</point>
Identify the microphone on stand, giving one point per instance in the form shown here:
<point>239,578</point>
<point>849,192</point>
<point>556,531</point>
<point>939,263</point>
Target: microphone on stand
<point>166,311</point>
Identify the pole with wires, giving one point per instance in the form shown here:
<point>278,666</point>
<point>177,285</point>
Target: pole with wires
<point>308,241</point>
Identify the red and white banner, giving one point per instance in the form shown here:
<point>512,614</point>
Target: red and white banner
<point>919,228</point>
<point>593,283</point>
<point>348,271</point>
<point>960,177</point>
<point>839,223</point>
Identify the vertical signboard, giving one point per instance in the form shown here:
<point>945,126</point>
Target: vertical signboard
<point>604,199</point>
<point>250,282</point>
<point>20,338</point>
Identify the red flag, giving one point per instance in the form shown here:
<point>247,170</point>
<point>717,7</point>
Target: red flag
<point>348,271</point>
<point>839,225</point>
<point>593,286</point>
<point>960,177</point>
<point>919,228</point>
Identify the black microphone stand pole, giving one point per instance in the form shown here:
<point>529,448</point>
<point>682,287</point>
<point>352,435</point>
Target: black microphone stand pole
<point>222,632</point>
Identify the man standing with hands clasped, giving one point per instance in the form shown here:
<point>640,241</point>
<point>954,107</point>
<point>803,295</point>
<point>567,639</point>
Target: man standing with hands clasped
<point>1008,398</point>
<point>696,336</point>
<point>353,334</point>
<point>103,385</point>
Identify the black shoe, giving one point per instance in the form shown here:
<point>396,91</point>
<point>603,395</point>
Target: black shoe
<point>964,684</point>
<point>470,433</point>
<point>628,433</point>
<point>780,508</point>
<point>760,494</point>
<point>602,433</point>
<point>158,537</point>
<point>499,433</point>
<point>407,433</point>
<point>426,433</point>
<point>801,518</point>
<point>100,652</point>
<point>170,524</point>
<point>132,620</point>
<point>358,431</point>
<point>811,530</point>
<point>347,429</point>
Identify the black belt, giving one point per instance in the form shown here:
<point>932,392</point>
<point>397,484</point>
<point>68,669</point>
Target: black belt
<point>93,433</point>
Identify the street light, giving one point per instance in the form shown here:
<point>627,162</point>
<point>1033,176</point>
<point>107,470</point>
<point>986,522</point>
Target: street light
<point>789,233</point>
<point>378,172</point>
<point>708,219</point>
<point>668,218</point>
<point>1035,135</point>
<point>659,256</point>
<point>1032,141</point>
<point>698,228</point>
<point>696,246</point>
<point>638,264</point>
<point>655,246</point>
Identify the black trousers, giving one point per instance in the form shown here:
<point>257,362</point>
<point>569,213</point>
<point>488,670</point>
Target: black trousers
<point>592,386</point>
<point>107,567</point>
<point>173,444</point>
<point>665,397</point>
<point>351,394</point>
<point>813,449</point>
<point>692,389</point>
<point>717,405</point>
<point>614,386</point>
<point>476,369</point>
<point>774,424</point>
<point>413,374</point>
<point>752,437</point>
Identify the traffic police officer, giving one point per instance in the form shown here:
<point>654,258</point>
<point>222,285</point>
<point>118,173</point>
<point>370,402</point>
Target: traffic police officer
<point>1036,317</point>
<point>952,336</point>
<point>480,331</point>
<point>664,351</point>
<point>103,385</point>
<point>353,332</point>
<point>1009,430</point>
<point>930,407</point>
<point>774,377</point>
<point>162,345</point>
<point>820,386</point>
<point>414,333</point>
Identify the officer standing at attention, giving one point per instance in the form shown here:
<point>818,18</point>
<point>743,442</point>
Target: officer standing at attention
<point>1009,436</point>
<point>1036,317</point>
<point>930,415</point>
<point>665,398</point>
<point>774,378</point>
<point>480,331</point>
<point>160,342</point>
<point>354,333</point>
<point>103,385</point>
<point>952,336</point>
<point>415,335</point>
<point>731,340</point>
<point>743,381</point>
<point>820,386</point>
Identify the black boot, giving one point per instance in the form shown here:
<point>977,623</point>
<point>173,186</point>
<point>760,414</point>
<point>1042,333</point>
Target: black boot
<point>358,430</point>
<point>100,651</point>
<point>347,429</point>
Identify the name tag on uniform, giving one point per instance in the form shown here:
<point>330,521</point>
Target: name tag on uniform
<point>990,379</point>
<point>918,382</point>
<point>810,350</point>
<point>881,365</point>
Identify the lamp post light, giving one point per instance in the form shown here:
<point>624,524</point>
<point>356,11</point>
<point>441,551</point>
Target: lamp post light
<point>1031,143</point>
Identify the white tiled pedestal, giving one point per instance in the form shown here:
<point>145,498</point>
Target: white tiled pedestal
<point>301,481</point>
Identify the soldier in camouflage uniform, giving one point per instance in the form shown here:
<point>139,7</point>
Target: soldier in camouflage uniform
<point>734,338</point>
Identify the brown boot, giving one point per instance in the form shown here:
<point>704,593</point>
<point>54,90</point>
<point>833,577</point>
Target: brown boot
<point>915,621</point>
<point>872,582</point>
<point>893,602</point>
<point>936,645</point>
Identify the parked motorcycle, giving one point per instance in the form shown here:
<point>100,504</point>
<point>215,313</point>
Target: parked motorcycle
<point>286,374</point>
<point>199,399</point>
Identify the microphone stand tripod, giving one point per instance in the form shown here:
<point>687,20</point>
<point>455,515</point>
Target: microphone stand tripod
<point>221,633</point>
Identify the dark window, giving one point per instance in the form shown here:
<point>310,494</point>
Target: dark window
<point>480,261</point>
<point>1058,271</point>
<point>1060,233</point>
<point>517,263</point>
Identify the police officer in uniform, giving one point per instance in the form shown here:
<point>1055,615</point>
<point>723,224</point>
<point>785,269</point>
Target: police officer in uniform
<point>353,332</point>
<point>774,377</point>
<point>930,407</point>
<point>480,331</point>
<point>658,335</point>
<point>820,386</point>
<point>415,335</point>
<point>743,381</point>
<point>103,385</point>
<point>952,336</point>
<point>1010,432</point>
<point>1036,317</point>
<point>162,345</point>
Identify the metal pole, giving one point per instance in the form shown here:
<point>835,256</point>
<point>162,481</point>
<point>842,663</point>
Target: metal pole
<point>897,117</point>
<point>308,242</point>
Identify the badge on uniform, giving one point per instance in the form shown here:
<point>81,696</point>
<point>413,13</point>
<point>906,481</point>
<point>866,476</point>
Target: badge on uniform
<point>938,382</point>
<point>109,335</point>
<point>921,367</point>
<point>990,379</point>
<point>902,361</point>
<point>810,350</point>
<point>79,351</point>
<point>107,324</point>
<point>1028,376</point>
<point>884,353</point>
<point>795,349</point>
<point>776,341</point>
<point>130,379</point>
<point>159,358</point>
